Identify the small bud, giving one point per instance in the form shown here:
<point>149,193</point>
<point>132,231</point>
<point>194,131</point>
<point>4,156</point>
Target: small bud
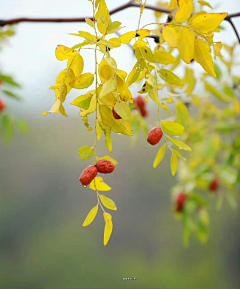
<point>214,185</point>
<point>88,175</point>
<point>105,166</point>
<point>180,202</point>
<point>154,136</point>
<point>2,105</point>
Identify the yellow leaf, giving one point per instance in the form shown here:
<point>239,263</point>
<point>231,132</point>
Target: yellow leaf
<point>186,40</point>
<point>88,36</point>
<point>108,227</point>
<point>109,99</point>
<point>109,120</point>
<point>100,185</point>
<point>99,130</point>
<point>105,71</point>
<point>62,52</point>
<point>114,27</point>
<point>108,87</point>
<point>205,23</point>
<point>144,52</point>
<point>139,44</point>
<point>109,159</point>
<point>143,32</point>
<point>127,37</point>
<point>123,110</point>
<point>163,57</point>
<point>203,56</point>
<point>108,203</point>
<point>91,216</point>
<point>76,63</point>
<point>115,42</point>
<point>160,155</point>
<point>82,81</point>
<point>170,77</point>
<point>123,90</point>
<point>172,128</point>
<point>217,49</point>
<point>204,3</point>
<point>170,36</point>
<point>174,164</point>
<point>103,18</point>
<point>185,10</point>
<point>181,145</point>
<point>89,22</point>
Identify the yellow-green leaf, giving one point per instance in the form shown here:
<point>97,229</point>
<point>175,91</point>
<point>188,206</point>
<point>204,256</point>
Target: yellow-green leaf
<point>89,22</point>
<point>103,18</point>
<point>217,49</point>
<point>123,110</point>
<point>172,128</point>
<point>208,22</point>
<point>108,203</point>
<point>114,27</point>
<point>108,227</point>
<point>170,36</point>
<point>85,152</point>
<point>139,43</point>
<point>174,163</point>
<point>204,3</point>
<point>170,77</point>
<point>109,159</point>
<point>182,113</point>
<point>163,57</point>
<point>160,155</point>
<point>178,155</point>
<point>109,120</point>
<point>185,43</point>
<point>82,81</point>
<point>185,10</point>
<point>127,37</point>
<point>83,101</point>
<point>91,216</point>
<point>203,56</point>
<point>115,42</point>
<point>100,185</point>
<point>108,142</point>
<point>181,145</point>
<point>108,87</point>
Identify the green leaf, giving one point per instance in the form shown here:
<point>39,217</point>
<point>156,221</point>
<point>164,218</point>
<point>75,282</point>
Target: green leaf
<point>108,203</point>
<point>174,164</point>
<point>9,80</point>
<point>181,145</point>
<point>123,110</point>
<point>91,216</point>
<point>85,152</point>
<point>172,128</point>
<point>170,77</point>
<point>160,155</point>
<point>9,93</point>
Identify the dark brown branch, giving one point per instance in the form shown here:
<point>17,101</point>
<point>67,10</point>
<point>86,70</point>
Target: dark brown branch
<point>116,10</point>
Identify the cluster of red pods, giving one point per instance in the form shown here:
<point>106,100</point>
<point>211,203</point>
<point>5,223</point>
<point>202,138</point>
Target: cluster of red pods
<point>102,166</point>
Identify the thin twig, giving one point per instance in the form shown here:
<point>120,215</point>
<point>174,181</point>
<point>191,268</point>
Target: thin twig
<point>116,10</point>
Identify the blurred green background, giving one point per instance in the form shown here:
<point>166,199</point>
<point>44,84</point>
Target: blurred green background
<point>43,206</point>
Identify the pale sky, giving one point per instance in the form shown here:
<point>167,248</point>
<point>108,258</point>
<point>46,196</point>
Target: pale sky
<point>29,56</point>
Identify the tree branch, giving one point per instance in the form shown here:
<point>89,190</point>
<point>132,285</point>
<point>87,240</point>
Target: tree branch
<point>113,11</point>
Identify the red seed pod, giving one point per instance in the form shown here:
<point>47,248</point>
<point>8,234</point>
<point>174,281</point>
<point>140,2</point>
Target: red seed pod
<point>214,185</point>
<point>180,202</point>
<point>88,175</point>
<point>105,166</point>
<point>2,105</point>
<point>115,115</point>
<point>141,105</point>
<point>154,136</point>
